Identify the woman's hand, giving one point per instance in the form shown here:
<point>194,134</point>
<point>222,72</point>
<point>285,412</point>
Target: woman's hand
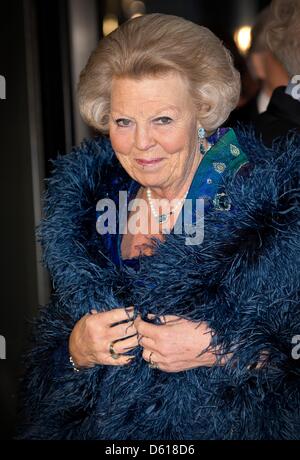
<point>175,346</point>
<point>90,340</point>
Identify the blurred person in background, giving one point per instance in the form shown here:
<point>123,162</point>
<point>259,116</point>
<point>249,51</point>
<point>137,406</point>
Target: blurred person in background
<point>283,38</point>
<point>264,68</point>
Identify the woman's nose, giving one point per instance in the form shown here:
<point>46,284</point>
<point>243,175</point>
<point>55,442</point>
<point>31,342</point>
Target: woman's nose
<point>143,138</point>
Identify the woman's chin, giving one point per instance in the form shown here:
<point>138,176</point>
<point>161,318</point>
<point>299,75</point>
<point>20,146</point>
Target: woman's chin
<point>154,181</point>
<point>150,179</point>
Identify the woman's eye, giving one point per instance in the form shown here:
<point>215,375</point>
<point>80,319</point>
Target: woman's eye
<point>123,122</point>
<point>163,120</point>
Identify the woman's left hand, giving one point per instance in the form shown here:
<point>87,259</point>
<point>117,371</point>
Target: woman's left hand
<point>175,345</point>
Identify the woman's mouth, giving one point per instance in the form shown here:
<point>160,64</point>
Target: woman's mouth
<point>148,163</point>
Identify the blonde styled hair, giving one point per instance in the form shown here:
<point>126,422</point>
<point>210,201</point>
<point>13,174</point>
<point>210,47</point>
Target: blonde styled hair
<point>154,45</point>
<point>283,34</point>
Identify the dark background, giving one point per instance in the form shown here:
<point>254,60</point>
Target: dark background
<point>43,46</point>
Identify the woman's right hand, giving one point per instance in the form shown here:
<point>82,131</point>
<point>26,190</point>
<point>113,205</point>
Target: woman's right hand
<point>90,340</point>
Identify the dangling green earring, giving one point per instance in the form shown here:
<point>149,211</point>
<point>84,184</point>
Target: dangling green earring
<point>201,136</point>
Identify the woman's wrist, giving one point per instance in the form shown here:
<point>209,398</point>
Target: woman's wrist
<point>72,356</point>
<point>75,367</point>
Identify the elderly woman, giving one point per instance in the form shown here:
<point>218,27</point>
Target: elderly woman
<point>176,318</point>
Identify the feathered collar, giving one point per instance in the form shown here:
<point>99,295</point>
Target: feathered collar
<point>78,260</point>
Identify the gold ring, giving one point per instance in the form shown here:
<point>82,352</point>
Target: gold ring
<point>152,364</point>
<point>114,355</point>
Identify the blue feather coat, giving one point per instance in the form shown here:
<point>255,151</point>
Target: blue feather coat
<point>242,280</point>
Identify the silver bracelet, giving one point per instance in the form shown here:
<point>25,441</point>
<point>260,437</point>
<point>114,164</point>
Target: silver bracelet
<point>75,368</point>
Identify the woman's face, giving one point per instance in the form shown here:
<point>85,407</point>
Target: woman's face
<point>153,129</point>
